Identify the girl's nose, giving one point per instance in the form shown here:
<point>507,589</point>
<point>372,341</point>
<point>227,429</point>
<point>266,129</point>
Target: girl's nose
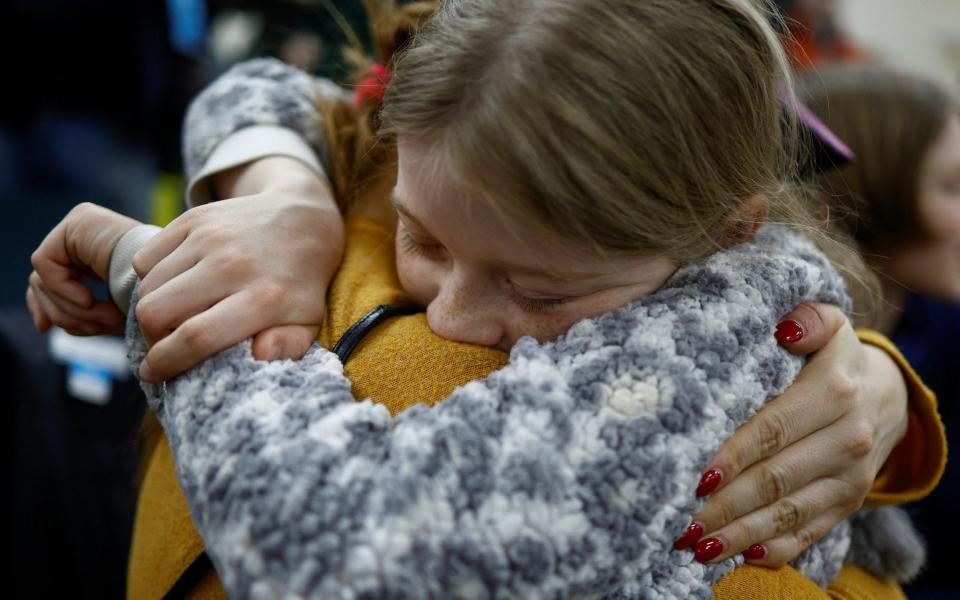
<point>464,315</point>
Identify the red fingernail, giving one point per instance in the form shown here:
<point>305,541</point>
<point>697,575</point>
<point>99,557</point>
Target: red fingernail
<point>708,549</point>
<point>788,331</point>
<point>755,552</point>
<point>709,482</point>
<point>693,533</point>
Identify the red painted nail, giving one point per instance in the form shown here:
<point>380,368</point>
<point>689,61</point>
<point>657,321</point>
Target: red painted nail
<point>709,482</point>
<point>755,552</point>
<point>693,533</point>
<point>788,331</point>
<point>708,549</point>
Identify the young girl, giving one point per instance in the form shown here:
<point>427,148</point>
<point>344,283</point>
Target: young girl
<point>567,441</point>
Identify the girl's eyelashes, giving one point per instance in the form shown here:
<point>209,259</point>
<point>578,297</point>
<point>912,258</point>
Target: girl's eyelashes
<point>535,305</point>
<point>416,248</point>
<point>435,252</point>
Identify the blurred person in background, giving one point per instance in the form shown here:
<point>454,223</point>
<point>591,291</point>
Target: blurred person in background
<point>900,199</point>
<point>91,110</point>
<point>813,34</point>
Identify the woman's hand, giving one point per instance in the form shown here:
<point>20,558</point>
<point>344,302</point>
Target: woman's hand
<point>808,459</point>
<point>256,265</point>
<point>78,248</point>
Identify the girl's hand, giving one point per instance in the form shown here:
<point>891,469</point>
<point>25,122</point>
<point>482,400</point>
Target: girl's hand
<point>256,265</point>
<point>808,459</point>
<point>78,248</point>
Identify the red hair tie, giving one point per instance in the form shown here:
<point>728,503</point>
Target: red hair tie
<point>373,87</point>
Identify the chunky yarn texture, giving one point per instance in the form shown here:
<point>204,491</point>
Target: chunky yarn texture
<point>568,473</point>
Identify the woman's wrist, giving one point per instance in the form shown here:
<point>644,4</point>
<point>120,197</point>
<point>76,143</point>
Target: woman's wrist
<point>916,463</point>
<point>887,380</point>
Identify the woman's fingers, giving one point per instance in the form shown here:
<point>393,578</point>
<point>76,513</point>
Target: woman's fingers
<point>60,318</point>
<point>285,341</point>
<point>809,327</point>
<point>801,464</point>
<point>789,514</point>
<point>826,389</point>
<point>776,498</point>
<point>765,483</point>
<point>231,320</point>
<point>784,548</point>
<point>798,412</point>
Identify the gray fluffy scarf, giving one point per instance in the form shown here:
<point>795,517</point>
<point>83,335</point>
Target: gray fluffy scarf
<point>568,473</point>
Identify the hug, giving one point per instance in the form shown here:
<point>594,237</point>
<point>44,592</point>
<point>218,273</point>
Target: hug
<point>486,324</point>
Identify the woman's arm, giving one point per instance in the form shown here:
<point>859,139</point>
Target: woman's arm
<point>813,455</point>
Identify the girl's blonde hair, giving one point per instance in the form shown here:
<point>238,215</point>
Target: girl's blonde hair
<point>619,125</point>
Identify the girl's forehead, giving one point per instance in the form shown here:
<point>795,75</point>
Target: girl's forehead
<point>436,210</point>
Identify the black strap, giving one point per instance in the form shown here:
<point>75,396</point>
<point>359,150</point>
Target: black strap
<point>343,349</point>
<point>349,341</point>
<point>190,578</point>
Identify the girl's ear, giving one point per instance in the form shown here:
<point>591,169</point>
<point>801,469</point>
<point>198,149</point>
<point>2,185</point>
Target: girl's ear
<point>746,220</point>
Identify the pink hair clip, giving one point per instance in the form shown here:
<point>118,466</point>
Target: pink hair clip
<point>373,87</point>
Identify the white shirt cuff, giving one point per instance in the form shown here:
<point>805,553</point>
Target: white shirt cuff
<point>245,145</point>
<point>122,276</point>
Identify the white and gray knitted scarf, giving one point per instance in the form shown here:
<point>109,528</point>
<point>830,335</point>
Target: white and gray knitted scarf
<point>566,474</point>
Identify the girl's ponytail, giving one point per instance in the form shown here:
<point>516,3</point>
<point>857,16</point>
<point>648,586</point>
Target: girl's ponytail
<point>355,157</point>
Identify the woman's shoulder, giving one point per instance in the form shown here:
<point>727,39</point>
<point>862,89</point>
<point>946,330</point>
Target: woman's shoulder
<point>748,581</point>
<point>926,335</point>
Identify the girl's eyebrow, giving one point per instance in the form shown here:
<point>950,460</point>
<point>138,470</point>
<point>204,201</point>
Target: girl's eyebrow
<point>403,210</point>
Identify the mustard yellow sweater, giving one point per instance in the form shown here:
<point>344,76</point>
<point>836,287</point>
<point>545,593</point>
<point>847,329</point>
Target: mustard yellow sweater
<point>403,362</point>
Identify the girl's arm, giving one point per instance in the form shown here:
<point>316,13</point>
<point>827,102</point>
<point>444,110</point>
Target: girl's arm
<point>265,258</point>
<point>562,474</point>
<point>259,108</point>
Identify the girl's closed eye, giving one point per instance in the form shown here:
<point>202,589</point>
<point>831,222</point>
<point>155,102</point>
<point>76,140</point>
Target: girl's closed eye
<point>535,305</point>
<point>419,248</point>
<point>437,252</point>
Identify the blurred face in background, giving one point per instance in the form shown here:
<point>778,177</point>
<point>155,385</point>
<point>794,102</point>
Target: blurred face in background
<point>932,265</point>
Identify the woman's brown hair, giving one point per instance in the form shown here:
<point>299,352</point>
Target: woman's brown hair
<point>889,119</point>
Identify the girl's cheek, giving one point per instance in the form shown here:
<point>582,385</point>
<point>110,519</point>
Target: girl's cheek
<point>419,278</point>
<point>548,326</point>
